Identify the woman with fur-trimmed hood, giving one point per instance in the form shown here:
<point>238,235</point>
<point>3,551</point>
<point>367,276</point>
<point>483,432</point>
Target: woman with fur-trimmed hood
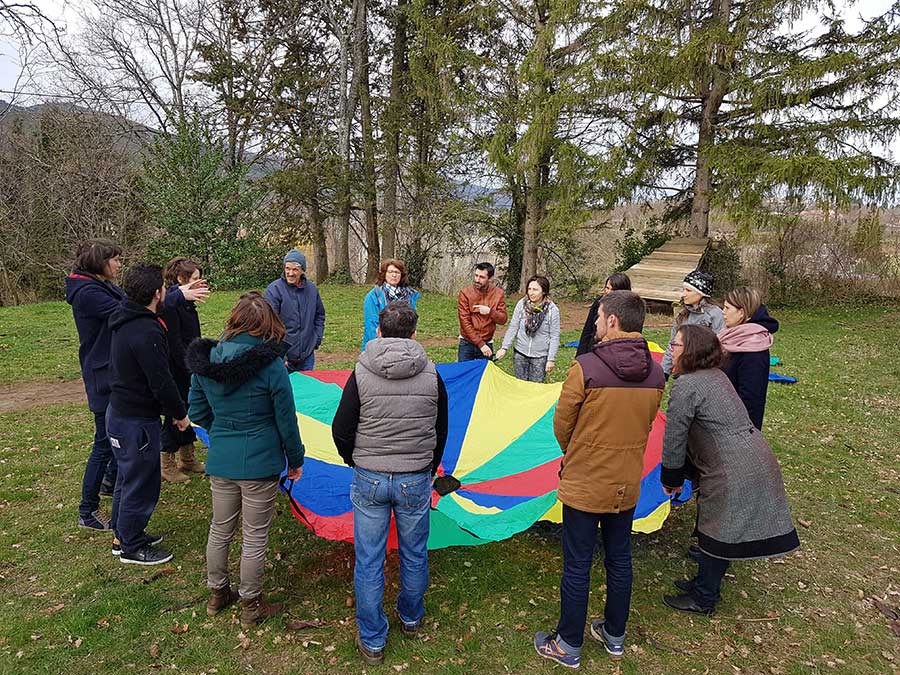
<point>241,394</point>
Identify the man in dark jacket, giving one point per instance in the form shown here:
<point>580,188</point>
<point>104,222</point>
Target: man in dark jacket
<point>606,408</point>
<point>298,303</point>
<point>391,425</point>
<point>142,389</point>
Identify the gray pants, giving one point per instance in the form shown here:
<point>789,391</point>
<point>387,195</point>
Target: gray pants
<point>255,499</point>
<point>529,368</point>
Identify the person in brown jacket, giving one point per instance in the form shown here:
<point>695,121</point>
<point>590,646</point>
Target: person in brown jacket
<point>606,408</point>
<point>481,308</point>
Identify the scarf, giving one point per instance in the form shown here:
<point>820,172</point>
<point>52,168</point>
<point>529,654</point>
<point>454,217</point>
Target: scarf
<point>397,293</point>
<point>747,337</point>
<point>534,315</point>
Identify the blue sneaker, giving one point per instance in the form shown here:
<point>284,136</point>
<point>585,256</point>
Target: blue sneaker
<point>598,632</point>
<point>94,521</point>
<point>547,645</point>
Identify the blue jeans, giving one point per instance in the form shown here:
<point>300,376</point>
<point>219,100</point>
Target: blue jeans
<point>709,580</point>
<point>136,444</point>
<point>295,365</point>
<point>469,352</point>
<point>579,535</point>
<point>375,495</point>
<point>100,462</point>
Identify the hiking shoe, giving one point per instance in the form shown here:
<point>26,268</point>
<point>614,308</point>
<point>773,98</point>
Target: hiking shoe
<point>371,656</point>
<point>107,488</point>
<point>220,598</point>
<point>256,610</point>
<point>146,555</point>
<point>687,603</point>
<point>151,539</point>
<point>168,469</point>
<point>598,632</point>
<point>188,462</point>
<point>94,521</point>
<point>547,645</point>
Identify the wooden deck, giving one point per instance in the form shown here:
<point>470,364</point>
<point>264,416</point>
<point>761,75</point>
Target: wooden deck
<point>659,275</point>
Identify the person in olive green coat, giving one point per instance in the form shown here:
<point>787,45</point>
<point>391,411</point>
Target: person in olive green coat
<point>241,394</point>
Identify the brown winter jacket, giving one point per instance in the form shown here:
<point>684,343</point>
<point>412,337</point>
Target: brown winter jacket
<point>607,406</point>
<point>475,327</point>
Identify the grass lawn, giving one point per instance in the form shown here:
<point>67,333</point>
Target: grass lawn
<point>69,606</point>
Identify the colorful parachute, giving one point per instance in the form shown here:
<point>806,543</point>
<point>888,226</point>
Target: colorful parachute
<point>500,448</point>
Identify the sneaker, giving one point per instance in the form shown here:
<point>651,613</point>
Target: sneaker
<point>146,555</point>
<point>371,656</point>
<point>152,540</point>
<point>616,651</point>
<point>547,645</point>
<point>95,521</point>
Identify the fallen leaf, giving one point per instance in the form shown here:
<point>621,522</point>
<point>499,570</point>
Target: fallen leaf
<point>300,624</point>
<point>154,650</point>
<point>77,643</point>
<point>521,627</point>
<point>39,594</point>
<point>55,608</point>
<point>349,602</point>
<point>885,609</point>
<point>179,629</point>
<point>103,623</point>
<point>330,648</point>
<point>243,641</point>
<point>805,523</point>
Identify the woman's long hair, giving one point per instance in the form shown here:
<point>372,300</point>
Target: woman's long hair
<point>254,315</point>
<point>702,349</point>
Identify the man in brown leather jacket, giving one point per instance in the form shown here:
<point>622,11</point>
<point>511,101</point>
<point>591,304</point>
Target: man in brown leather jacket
<point>481,308</point>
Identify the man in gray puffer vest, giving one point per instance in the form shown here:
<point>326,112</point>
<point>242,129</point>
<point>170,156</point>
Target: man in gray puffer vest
<point>391,426</point>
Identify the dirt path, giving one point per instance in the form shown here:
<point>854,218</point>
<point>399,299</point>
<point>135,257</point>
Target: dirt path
<point>21,396</point>
<point>26,395</point>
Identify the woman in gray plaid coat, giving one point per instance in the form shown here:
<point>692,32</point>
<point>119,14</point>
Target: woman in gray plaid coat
<point>742,510</point>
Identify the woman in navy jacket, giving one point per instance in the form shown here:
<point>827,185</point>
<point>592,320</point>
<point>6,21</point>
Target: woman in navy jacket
<point>94,297</point>
<point>185,287</point>
<point>747,338</point>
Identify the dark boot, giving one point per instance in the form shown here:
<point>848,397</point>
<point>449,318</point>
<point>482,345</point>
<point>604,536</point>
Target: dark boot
<point>686,603</point>
<point>256,610</point>
<point>220,598</point>
<point>371,657</point>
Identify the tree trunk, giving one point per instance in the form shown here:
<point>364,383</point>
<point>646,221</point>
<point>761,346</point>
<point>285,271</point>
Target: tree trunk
<point>392,117</point>
<point>320,244</point>
<point>538,152</point>
<point>712,95</point>
<point>361,74</point>
<point>346,112</point>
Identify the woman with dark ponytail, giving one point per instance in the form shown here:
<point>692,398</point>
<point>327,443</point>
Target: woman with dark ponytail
<point>614,282</point>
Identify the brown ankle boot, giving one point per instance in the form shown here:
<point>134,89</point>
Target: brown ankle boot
<point>256,610</point>
<point>187,461</point>
<point>169,468</point>
<point>220,598</point>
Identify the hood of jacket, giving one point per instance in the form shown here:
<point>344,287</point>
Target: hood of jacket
<point>79,279</point>
<point>394,358</point>
<point>748,337</point>
<point>130,311</point>
<point>626,354</point>
<point>761,316</point>
<point>232,362</point>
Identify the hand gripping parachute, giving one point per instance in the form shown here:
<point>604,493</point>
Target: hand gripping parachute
<point>499,472</point>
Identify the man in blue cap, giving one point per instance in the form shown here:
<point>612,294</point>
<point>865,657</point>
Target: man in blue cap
<point>298,303</point>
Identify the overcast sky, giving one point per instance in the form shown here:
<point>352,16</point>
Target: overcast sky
<point>65,13</point>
